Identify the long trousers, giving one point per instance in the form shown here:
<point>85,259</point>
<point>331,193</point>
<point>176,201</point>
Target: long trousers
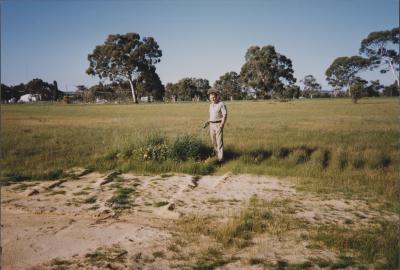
<point>216,134</point>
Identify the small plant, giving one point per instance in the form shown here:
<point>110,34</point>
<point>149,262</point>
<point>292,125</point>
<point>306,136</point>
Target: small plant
<point>91,199</point>
<point>159,204</point>
<point>121,198</point>
<point>58,192</point>
<point>82,192</point>
<point>158,254</point>
<point>210,259</point>
<point>105,255</point>
<point>254,261</point>
<point>343,262</point>
<point>23,186</point>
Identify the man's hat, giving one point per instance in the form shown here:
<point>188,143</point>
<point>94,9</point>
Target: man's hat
<point>213,91</point>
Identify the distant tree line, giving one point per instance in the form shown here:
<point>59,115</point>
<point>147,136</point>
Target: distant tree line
<point>379,50</point>
<point>47,91</point>
<point>128,63</point>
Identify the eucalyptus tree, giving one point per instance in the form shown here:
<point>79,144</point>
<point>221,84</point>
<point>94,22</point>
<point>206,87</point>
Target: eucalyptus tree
<point>265,70</point>
<point>149,84</point>
<point>229,86</point>
<point>343,69</point>
<point>311,86</point>
<point>124,57</point>
<point>172,91</point>
<point>382,48</point>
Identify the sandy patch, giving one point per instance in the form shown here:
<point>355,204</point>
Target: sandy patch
<point>70,220</point>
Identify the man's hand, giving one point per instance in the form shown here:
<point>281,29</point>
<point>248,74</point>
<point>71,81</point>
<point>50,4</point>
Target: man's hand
<point>205,124</point>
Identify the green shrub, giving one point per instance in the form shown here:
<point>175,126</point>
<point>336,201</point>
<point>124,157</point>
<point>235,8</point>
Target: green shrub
<point>189,147</point>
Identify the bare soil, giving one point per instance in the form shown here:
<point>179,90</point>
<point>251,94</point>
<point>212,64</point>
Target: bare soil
<point>73,224</point>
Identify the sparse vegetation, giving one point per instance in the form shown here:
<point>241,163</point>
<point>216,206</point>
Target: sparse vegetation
<point>378,244</point>
<point>91,199</point>
<point>239,230</point>
<point>210,259</point>
<point>57,192</point>
<point>103,256</point>
<point>159,204</point>
<point>121,198</point>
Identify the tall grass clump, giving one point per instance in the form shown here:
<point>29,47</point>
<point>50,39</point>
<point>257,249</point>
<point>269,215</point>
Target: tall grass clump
<point>256,155</point>
<point>342,160</point>
<point>189,147</point>
<point>299,156</point>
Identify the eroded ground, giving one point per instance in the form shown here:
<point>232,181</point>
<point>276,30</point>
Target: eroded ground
<point>125,221</point>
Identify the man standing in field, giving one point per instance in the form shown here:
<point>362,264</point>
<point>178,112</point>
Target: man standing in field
<point>217,119</point>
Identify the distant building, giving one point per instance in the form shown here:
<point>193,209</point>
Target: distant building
<point>29,98</point>
<point>101,100</point>
<point>147,99</point>
<point>12,100</point>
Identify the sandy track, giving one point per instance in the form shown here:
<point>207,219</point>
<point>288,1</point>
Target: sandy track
<point>40,224</point>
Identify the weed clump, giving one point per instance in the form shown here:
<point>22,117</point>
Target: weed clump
<point>154,147</point>
<point>320,159</point>
<point>189,147</point>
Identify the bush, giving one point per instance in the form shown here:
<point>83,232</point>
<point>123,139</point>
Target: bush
<point>189,147</point>
<point>154,147</point>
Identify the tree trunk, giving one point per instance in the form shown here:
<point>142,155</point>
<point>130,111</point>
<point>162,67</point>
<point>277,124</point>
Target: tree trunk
<point>134,96</point>
<point>396,77</point>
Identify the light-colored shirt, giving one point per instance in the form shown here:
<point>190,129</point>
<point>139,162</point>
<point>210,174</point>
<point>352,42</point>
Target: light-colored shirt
<point>217,111</point>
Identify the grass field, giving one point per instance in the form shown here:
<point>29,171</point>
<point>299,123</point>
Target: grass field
<point>326,145</point>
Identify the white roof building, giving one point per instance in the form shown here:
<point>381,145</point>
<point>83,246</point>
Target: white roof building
<point>29,98</point>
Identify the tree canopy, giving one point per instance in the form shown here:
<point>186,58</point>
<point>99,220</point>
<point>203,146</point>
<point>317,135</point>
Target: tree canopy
<point>229,86</point>
<point>266,70</point>
<point>149,84</point>
<point>124,57</point>
<point>343,69</point>
<point>311,86</point>
<point>382,48</point>
<point>187,89</point>
<point>47,91</point>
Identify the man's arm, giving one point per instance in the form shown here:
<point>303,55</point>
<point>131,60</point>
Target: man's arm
<point>224,116</point>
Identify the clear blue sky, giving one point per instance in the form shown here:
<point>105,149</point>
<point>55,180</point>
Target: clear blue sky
<point>50,39</point>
